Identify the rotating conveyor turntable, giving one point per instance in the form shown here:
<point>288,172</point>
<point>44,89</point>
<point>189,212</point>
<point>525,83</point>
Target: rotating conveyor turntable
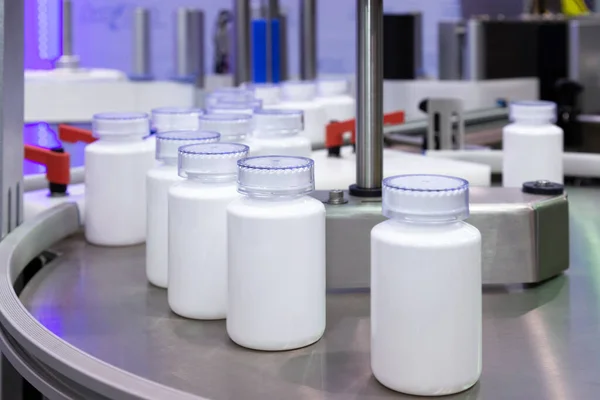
<point>80,322</point>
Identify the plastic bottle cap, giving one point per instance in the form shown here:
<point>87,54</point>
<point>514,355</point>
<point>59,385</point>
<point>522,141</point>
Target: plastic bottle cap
<point>332,87</point>
<point>215,161</point>
<point>278,122</point>
<point>299,90</point>
<point>269,93</point>
<point>235,107</point>
<point>230,94</point>
<point>168,143</point>
<point>121,124</point>
<point>541,111</point>
<point>232,127</point>
<point>175,118</point>
<point>276,176</point>
<point>433,198</point>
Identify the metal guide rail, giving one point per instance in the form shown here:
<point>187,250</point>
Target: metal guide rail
<point>87,325</point>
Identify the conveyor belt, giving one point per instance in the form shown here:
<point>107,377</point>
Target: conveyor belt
<point>103,328</point>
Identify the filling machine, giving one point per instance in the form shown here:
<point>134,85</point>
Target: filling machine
<point>79,321</point>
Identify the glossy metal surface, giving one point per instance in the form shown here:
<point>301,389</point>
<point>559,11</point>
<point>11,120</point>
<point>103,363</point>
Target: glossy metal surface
<point>11,114</point>
<point>539,342</point>
<point>308,39</point>
<point>242,71</point>
<point>68,59</point>
<point>524,237</point>
<point>141,43</point>
<point>189,49</point>
<point>369,94</point>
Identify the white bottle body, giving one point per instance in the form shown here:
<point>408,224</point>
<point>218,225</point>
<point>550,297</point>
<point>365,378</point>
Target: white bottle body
<point>338,108</point>
<point>158,182</point>
<point>198,248</point>
<point>283,146</point>
<point>315,119</point>
<point>531,152</point>
<point>115,191</point>
<point>276,273</point>
<point>426,307</point>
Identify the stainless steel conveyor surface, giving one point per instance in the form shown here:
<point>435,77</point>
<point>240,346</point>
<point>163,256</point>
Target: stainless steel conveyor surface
<point>541,342</point>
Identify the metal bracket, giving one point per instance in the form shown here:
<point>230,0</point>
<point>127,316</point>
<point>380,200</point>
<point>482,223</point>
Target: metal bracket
<point>446,124</point>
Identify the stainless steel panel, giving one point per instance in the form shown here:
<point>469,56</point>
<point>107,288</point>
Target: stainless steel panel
<point>515,250</point>
<point>11,114</point>
<point>539,342</point>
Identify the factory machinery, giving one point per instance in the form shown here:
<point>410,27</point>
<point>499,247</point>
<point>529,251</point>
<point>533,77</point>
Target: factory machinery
<point>78,321</point>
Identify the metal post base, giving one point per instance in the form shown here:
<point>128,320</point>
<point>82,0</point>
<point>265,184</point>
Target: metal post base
<point>525,236</point>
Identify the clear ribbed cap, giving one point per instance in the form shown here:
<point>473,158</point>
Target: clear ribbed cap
<point>235,107</point>
<point>299,90</point>
<point>277,122</point>
<point>276,176</point>
<point>211,161</point>
<point>232,127</point>
<point>532,111</point>
<point>269,93</point>
<point>175,118</point>
<point>332,87</point>
<point>168,143</point>
<point>230,94</point>
<point>425,198</point>
<point>120,124</point>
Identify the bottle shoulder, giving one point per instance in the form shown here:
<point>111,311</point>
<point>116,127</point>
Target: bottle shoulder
<point>116,147</point>
<point>426,235</point>
<point>294,208</point>
<point>525,129</point>
<point>187,189</point>
<point>164,172</point>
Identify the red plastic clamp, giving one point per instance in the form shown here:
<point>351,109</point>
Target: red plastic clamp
<point>57,162</point>
<point>72,134</point>
<point>334,132</point>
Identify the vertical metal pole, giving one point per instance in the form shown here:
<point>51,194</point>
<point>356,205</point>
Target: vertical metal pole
<point>182,44</point>
<point>272,13</point>
<point>241,42</point>
<point>308,39</point>
<point>369,104</point>
<point>283,48</point>
<point>475,51</point>
<point>141,43</point>
<point>11,114</point>
<point>67,59</point>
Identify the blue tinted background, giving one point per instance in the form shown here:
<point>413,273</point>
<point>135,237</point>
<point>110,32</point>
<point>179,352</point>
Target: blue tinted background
<point>103,31</point>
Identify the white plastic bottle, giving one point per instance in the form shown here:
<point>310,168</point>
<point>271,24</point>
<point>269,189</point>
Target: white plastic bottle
<point>276,132</point>
<point>276,240</point>
<point>115,179</point>
<point>228,94</point>
<point>197,229</point>
<point>426,288</point>
<point>301,95</point>
<point>158,181</point>
<point>334,96</point>
<point>268,93</point>
<point>532,144</point>
<point>234,128</point>
<point>234,107</point>
<point>167,119</point>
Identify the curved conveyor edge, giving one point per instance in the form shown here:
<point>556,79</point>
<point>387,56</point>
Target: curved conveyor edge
<point>54,367</point>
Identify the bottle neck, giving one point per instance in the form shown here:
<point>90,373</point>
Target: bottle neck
<point>215,179</point>
<point>275,134</point>
<point>533,121</point>
<point>273,198</point>
<point>121,138</point>
<point>172,162</point>
<point>425,222</point>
